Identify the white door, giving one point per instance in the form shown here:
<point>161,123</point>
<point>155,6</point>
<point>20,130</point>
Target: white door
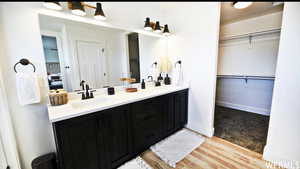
<point>3,164</point>
<point>92,65</point>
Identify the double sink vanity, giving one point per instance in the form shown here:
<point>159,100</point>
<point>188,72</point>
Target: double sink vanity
<point>94,130</point>
<point>109,130</point>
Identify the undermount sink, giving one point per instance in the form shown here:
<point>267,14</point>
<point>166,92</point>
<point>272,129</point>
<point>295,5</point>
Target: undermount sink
<point>90,102</point>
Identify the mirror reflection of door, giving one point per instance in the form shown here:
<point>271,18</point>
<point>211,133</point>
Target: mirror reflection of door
<point>91,63</point>
<point>134,56</point>
<point>53,63</point>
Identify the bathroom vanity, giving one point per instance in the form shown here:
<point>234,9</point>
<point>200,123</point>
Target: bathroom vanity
<point>107,131</point>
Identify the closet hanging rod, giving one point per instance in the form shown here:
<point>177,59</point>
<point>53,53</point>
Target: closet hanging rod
<point>246,77</point>
<point>259,33</point>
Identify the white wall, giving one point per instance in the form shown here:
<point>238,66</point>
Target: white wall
<point>151,49</point>
<point>7,133</point>
<point>283,136</point>
<point>239,57</point>
<point>22,39</point>
<point>9,152</point>
<point>3,164</point>
<point>195,42</point>
<point>254,96</point>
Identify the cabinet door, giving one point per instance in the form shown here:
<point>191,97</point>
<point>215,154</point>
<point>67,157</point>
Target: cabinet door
<point>147,118</point>
<point>117,135</point>
<point>169,115</point>
<point>79,145</point>
<point>180,108</point>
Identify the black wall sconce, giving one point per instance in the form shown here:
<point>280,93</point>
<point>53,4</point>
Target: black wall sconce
<point>151,26</point>
<point>78,8</point>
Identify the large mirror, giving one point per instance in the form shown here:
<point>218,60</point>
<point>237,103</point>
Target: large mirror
<point>76,51</point>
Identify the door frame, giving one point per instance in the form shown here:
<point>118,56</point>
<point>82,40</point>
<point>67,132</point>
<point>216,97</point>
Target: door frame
<point>7,132</point>
<point>103,47</point>
<point>58,38</point>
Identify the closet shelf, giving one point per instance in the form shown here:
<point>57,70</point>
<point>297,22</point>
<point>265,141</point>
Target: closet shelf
<point>259,33</point>
<point>246,77</point>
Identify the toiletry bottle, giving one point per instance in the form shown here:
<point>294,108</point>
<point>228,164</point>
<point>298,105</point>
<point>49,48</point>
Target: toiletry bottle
<point>167,80</point>
<point>160,79</point>
<point>143,85</point>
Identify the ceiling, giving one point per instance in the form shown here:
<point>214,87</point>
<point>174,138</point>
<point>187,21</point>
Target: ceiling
<point>230,14</point>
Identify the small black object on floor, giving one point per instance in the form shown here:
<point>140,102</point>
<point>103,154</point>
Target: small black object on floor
<point>246,129</point>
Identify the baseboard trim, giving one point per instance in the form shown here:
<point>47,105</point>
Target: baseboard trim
<point>275,157</point>
<point>256,110</point>
<point>206,132</point>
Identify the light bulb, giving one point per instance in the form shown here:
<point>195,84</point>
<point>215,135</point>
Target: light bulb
<point>148,28</point>
<point>241,5</point>
<point>53,5</point>
<point>100,17</point>
<point>78,12</point>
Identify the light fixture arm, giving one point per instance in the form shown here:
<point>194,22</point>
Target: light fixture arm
<point>153,25</point>
<point>83,4</point>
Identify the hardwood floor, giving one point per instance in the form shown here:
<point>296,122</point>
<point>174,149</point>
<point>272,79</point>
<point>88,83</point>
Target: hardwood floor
<point>213,153</point>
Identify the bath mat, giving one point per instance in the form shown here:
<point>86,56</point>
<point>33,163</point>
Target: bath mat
<point>174,148</point>
<point>137,163</point>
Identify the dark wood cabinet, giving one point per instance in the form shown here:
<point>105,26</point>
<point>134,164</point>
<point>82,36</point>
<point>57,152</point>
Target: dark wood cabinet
<point>147,122</point>
<point>109,138</point>
<point>117,135</point>
<point>78,141</point>
<point>180,109</point>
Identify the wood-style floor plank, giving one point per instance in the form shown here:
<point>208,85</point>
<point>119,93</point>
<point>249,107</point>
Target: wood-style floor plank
<point>214,153</point>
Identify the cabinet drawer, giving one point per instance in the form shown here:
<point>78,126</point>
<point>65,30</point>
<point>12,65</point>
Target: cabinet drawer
<point>146,109</point>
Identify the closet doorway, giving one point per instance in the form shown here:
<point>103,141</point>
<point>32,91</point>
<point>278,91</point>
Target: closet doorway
<point>248,48</point>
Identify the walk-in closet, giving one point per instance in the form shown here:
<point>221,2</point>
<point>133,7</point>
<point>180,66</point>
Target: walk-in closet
<point>248,48</point>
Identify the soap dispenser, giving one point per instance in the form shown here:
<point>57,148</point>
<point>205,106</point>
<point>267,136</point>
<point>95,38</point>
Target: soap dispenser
<point>160,78</point>
<point>143,85</point>
<point>167,80</point>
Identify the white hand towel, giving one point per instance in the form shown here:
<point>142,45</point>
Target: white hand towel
<point>178,75</point>
<point>28,88</point>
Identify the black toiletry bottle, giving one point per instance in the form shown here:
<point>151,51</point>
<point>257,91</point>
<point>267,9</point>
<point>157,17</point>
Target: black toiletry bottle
<point>167,80</point>
<point>110,90</point>
<point>160,78</point>
<point>143,85</point>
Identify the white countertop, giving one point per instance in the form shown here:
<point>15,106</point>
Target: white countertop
<point>78,107</point>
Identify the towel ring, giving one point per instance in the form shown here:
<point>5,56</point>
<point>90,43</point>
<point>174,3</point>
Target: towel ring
<point>24,62</point>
